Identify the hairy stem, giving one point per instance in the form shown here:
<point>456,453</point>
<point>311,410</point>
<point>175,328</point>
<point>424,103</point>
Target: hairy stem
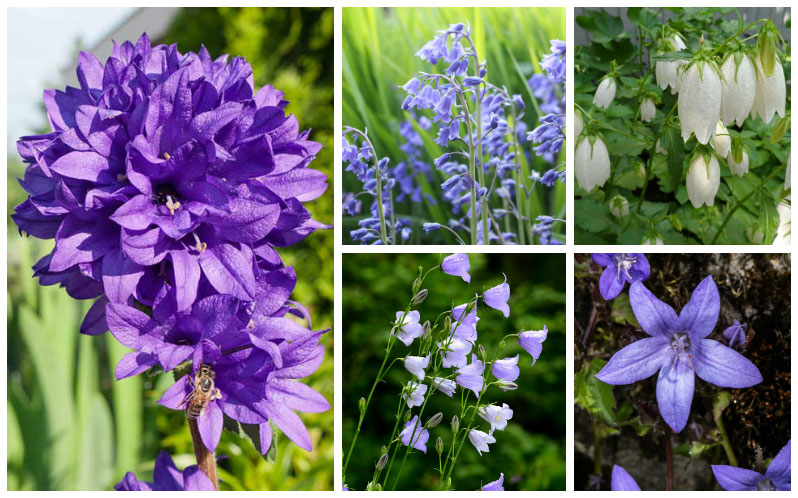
<point>206,461</point>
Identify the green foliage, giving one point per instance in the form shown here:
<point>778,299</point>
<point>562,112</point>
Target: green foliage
<point>639,170</point>
<point>531,451</point>
<point>71,425</point>
<point>378,57</point>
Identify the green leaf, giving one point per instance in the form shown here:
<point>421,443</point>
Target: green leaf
<point>684,55</point>
<point>769,215</point>
<point>642,17</point>
<point>622,310</point>
<point>592,215</point>
<point>673,143</point>
<point>720,403</point>
<point>780,129</point>
<point>604,27</point>
<point>593,395</point>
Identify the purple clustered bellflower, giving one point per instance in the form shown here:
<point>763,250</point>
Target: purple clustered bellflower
<point>679,350</point>
<point>444,103</point>
<point>777,477</point>
<point>167,477</point>
<point>620,268</point>
<point>169,182</point>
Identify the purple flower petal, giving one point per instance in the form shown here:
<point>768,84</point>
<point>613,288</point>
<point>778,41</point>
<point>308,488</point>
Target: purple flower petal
<point>506,368</point>
<point>497,485</point>
<point>637,361</point>
<point>622,481</point>
<point>457,265</point>
<point>656,317</point>
<point>735,334</point>
<point>134,363</point>
<point>609,283</point>
<point>603,259</point>
<point>532,342</point>
<point>723,366</point>
<point>496,297</point>
<point>195,480</point>
<point>736,479</point>
<point>120,276</point>
<point>780,467</point>
<point>291,425</point>
<point>209,423</point>
<point>187,274</point>
<point>700,314</point>
<point>675,392</point>
<point>265,433</point>
<point>94,322</point>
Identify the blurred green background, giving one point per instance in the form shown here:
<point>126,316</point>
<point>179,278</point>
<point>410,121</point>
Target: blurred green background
<point>378,56</point>
<point>70,424</point>
<point>531,450</point>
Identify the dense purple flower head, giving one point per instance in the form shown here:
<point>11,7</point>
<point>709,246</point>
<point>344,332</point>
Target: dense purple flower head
<point>166,171</point>
<point>776,478</point>
<point>166,477</point>
<point>679,349</point>
<point>622,481</point>
<point>620,268</point>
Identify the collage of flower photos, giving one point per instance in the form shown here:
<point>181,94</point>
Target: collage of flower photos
<point>200,296</point>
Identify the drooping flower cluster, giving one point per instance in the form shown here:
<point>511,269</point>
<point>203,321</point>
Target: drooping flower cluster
<point>168,183</point>
<point>480,125</point>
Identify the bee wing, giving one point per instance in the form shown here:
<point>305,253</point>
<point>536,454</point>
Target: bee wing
<point>189,397</point>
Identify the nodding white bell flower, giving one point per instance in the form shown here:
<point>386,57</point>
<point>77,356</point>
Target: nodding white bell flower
<point>656,241</point>
<point>703,181</point>
<point>659,150</point>
<point>787,177</point>
<point>667,73</point>
<point>579,124</point>
<point>591,163</point>
<point>647,110</point>
<point>771,92</point>
<point>722,140</point>
<point>783,233</point>
<point>740,168</point>
<point>699,102</point>
<point>737,90</point>
<point>619,206</point>
<point>605,93</point>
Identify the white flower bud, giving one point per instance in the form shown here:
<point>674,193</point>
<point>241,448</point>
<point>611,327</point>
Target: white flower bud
<point>722,140</point>
<point>591,163</point>
<point>703,181</point>
<point>783,234</point>
<point>738,89</point>
<point>659,150</point>
<point>787,177</point>
<point>619,206</point>
<point>741,168</point>
<point>605,93</point>
<point>648,241</point>
<point>647,110</point>
<point>579,124</point>
<point>771,92</point>
<point>667,73</point>
<point>699,102</point>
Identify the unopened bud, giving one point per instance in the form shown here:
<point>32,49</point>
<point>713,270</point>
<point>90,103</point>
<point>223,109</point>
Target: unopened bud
<point>434,420</point>
<point>407,416</point>
<point>501,347</point>
<point>507,385</point>
<point>362,405</point>
<point>383,450</point>
<point>455,424</point>
<point>376,487</point>
<point>447,323</point>
<point>416,284</point>
<point>419,297</point>
<point>439,445</point>
<point>382,462</point>
<point>482,352</point>
<point>427,330</point>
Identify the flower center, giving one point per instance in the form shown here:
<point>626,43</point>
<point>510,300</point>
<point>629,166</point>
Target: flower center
<point>624,262</point>
<point>680,342</point>
<point>765,485</point>
<point>167,196</point>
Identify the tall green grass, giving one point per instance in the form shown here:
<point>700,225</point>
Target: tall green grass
<point>378,56</point>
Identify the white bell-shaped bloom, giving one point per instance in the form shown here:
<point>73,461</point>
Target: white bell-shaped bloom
<point>699,102</point>
<point>416,366</point>
<point>659,150</point>
<point>771,93</point>
<point>647,110</point>
<point>783,233</point>
<point>591,163</point>
<point>605,93</point>
<point>667,73</point>
<point>656,241</point>
<point>787,177</point>
<point>722,140</point>
<point>619,206</point>
<point>737,89</point>
<point>496,416</point>
<point>740,168</point>
<point>579,124</point>
<point>703,181</point>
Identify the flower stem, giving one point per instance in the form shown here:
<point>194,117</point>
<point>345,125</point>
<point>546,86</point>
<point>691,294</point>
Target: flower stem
<point>669,460</point>
<point>380,208</point>
<point>651,151</point>
<point>725,441</point>
<point>596,449</point>
<point>206,461</point>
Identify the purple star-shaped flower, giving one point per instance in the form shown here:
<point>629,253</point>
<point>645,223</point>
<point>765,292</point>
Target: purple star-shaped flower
<point>622,481</point>
<point>679,350</point>
<point>420,435</point>
<point>776,477</point>
<point>166,477</point>
<point>619,269</point>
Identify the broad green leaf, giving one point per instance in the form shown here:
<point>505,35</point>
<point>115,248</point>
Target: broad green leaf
<point>673,143</point>
<point>592,215</point>
<point>643,17</point>
<point>595,396</point>
<point>603,26</point>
